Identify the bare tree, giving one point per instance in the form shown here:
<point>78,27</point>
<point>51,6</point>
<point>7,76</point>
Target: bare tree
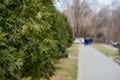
<point>86,22</point>
<point>80,16</point>
<point>103,24</point>
<point>116,25</point>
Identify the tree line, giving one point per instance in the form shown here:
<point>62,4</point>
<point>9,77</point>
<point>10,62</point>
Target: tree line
<point>103,25</point>
<point>33,35</point>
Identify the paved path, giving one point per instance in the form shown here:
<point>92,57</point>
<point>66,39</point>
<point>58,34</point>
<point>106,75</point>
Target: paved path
<point>110,47</point>
<point>93,65</point>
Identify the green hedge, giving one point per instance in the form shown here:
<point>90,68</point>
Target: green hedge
<point>33,34</point>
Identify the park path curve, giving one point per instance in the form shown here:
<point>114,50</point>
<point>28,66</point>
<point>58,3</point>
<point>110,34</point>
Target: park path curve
<point>93,65</point>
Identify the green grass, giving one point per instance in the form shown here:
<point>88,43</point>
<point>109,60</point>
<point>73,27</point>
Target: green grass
<point>105,50</point>
<point>66,69</point>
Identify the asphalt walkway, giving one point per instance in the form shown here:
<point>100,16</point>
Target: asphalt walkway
<point>93,65</point>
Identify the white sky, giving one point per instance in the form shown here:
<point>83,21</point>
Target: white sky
<point>63,4</point>
<point>105,2</point>
<point>97,4</point>
<point>100,3</point>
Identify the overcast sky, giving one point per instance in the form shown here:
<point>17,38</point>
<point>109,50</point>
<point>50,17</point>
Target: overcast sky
<point>99,4</point>
<point>63,4</point>
<point>96,4</point>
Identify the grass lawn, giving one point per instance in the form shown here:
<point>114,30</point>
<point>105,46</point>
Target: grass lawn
<point>117,60</point>
<point>73,50</point>
<point>66,69</point>
<point>105,50</point>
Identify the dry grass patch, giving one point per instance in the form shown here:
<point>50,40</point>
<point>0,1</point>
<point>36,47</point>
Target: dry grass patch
<point>73,50</point>
<point>106,51</point>
<point>66,69</point>
<point>117,60</point>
